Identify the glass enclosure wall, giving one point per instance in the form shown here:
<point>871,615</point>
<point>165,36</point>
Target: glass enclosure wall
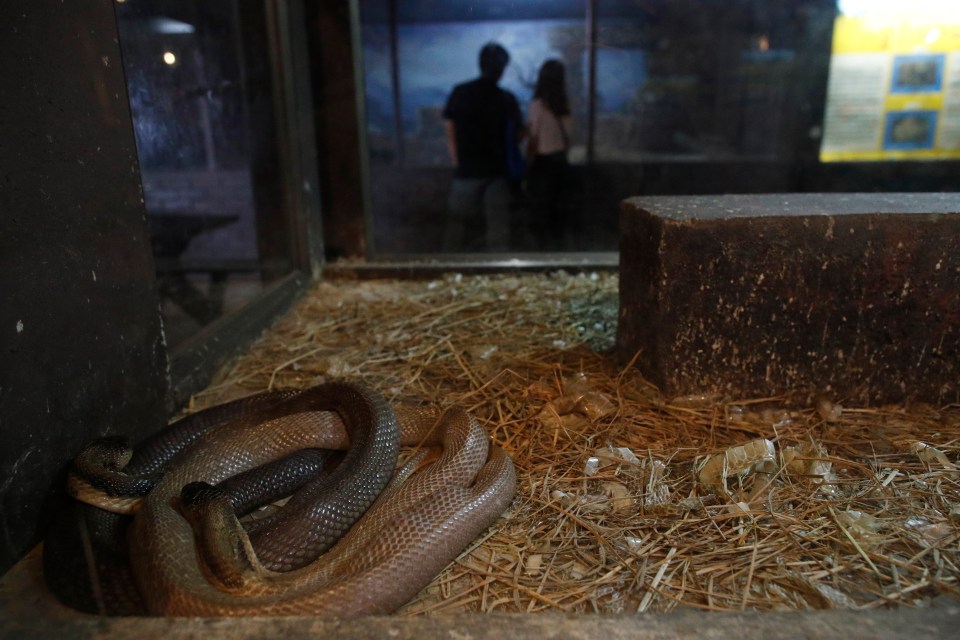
<point>695,81</point>
<point>665,97</point>
<point>203,100</point>
<point>413,54</point>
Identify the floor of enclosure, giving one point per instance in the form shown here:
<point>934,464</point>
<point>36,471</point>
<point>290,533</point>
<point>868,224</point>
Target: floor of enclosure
<point>620,507</point>
<point>27,610</point>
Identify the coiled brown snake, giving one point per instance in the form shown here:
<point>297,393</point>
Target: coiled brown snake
<point>190,554</point>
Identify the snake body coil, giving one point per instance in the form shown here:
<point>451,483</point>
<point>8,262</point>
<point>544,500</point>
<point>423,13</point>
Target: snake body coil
<point>190,554</point>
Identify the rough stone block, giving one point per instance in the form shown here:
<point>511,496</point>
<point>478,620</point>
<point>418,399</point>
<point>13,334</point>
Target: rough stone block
<point>854,296</point>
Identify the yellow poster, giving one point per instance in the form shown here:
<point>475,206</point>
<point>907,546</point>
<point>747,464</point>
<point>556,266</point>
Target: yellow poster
<point>894,88</point>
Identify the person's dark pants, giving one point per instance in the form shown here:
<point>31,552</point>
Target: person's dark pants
<point>479,215</point>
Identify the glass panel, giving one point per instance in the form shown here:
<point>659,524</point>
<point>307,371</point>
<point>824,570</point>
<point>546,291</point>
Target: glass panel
<point>695,80</point>
<point>665,97</point>
<point>414,54</point>
<point>201,96</point>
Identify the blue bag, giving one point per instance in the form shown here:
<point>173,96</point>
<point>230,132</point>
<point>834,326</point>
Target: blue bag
<point>516,164</point>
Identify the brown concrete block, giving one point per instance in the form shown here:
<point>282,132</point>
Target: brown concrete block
<point>856,296</point>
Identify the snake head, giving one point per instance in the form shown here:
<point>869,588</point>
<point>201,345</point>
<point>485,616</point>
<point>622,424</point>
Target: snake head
<point>96,477</point>
<point>223,547</point>
<point>198,494</point>
<point>110,453</point>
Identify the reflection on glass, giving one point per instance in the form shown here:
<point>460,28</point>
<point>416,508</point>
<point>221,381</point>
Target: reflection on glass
<point>198,77</point>
<point>667,97</point>
<point>433,58</point>
<point>655,88</point>
<point>412,62</point>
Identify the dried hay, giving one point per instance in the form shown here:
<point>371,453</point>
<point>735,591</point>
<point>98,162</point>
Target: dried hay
<point>629,501</point>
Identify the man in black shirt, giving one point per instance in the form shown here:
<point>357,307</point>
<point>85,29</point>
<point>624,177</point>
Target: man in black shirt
<point>476,120</point>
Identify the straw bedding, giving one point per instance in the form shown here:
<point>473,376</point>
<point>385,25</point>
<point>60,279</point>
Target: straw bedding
<point>630,501</point>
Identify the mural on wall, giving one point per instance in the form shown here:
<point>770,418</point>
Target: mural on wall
<point>685,79</point>
<point>432,58</point>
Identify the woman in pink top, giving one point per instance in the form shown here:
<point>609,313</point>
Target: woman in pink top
<point>548,126</point>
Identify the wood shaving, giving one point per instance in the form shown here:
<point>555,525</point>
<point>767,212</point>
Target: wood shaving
<point>861,514</point>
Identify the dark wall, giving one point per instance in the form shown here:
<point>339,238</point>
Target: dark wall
<point>80,335</point>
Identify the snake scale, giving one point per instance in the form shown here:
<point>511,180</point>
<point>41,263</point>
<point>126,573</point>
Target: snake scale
<point>359,537</point>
